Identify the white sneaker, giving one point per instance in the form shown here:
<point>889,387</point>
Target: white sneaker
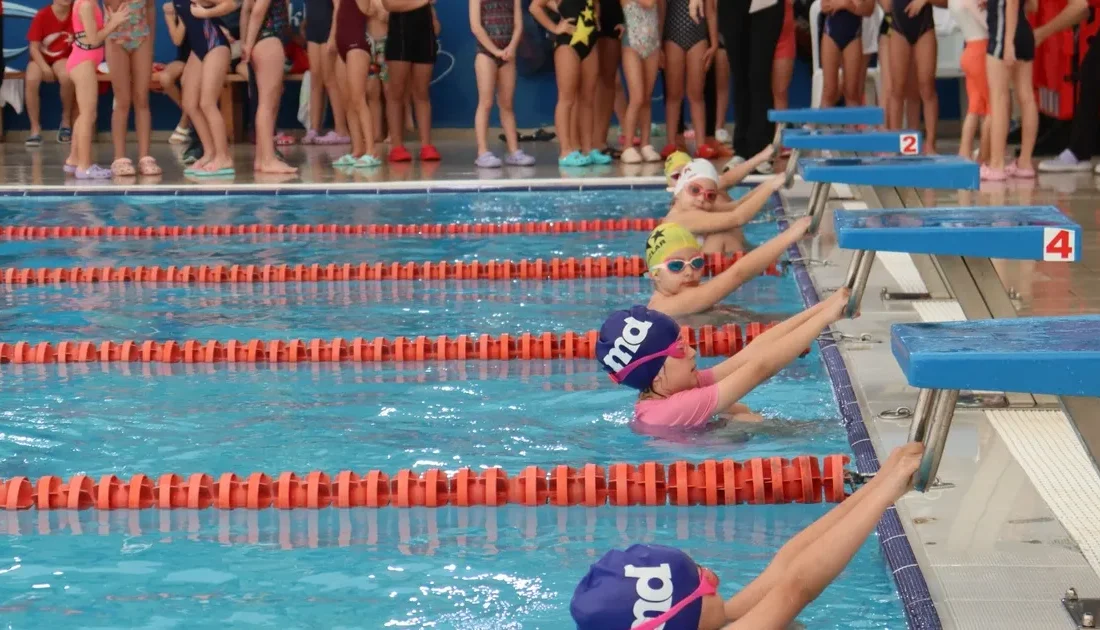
<point>1066,162</point>
<point>734,162</point>
<point>649,154</point>
<point>631,156</point>
<point>765,168</point>
<point>723,136</point>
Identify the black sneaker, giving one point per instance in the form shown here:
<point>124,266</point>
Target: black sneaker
<point>193,153</point>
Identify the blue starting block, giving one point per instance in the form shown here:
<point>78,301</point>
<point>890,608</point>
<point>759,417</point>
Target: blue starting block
<point>832,116</point>
<point>1018,233</point>
<point>828,116</point>
<point>903,142</point>
<point>940,172</point>
<point>1059,356</point>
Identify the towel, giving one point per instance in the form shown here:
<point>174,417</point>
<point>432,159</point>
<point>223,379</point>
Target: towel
<point>303,100</point>
<point>11,93</point>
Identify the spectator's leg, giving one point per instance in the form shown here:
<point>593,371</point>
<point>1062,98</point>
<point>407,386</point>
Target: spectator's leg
<point>36,76</point>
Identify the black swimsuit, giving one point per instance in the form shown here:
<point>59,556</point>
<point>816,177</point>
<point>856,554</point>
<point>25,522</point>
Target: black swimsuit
<point>583,39</point>
<point>913,28</point>
<point>202,35</point>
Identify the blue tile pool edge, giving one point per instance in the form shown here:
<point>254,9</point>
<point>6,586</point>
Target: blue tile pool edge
<point>920,612</point>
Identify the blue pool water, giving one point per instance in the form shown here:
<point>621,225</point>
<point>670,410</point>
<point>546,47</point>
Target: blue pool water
<point>448,568</point>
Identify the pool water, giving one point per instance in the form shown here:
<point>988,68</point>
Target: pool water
<point>447,568</point>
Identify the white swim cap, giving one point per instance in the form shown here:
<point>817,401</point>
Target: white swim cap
<point>696,170</point>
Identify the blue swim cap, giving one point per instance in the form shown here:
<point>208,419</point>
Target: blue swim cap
<point>639,583</point>
<point>630,335</point>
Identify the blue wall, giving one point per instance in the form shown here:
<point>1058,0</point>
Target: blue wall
<point>454,89</point>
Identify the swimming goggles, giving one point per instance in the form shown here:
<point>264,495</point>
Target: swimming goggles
<point>676,351</point>
<point>676,265</point>
<point>708,585</point>
<point>695,190</point>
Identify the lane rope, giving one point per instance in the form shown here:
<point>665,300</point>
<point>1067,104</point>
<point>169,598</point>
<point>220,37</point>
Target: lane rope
<point>32,232</point>
<point>525,269</point>
<point>758,481</point>
<point>709,341</point>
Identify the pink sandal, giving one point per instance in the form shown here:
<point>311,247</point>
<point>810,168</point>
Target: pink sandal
<point>122,167</point>
<point>148,166</point>
<point>989,174</point>
<point>1013,170</point>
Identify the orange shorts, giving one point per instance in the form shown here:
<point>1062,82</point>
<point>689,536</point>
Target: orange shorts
<point>977,85</point>
<point>785,47</point>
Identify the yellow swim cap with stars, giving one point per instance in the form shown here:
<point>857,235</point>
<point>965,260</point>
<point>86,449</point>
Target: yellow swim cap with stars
<point>665,239</point>
<point>675,161</point>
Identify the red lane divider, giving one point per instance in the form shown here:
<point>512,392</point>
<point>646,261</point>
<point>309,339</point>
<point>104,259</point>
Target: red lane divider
<point>626,224</point>
<point>707,340</point>
<point>553,268</point>
<point>763,480</point>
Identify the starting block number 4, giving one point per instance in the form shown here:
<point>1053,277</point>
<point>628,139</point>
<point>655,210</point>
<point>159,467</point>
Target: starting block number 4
<point>1058,245</point>
<point>908,143</point>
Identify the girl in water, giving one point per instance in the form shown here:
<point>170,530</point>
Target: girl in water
<point>641,54</point>
<point>498,27</point>
<point>644,349</point>
<point>732,174</point>
<point>266,26</point>
<point>695,206</point>
<point>349,36</point>
<point>577,69</point>
<point>89,35</point>
<point>675,262</point>
<point>129,52</point>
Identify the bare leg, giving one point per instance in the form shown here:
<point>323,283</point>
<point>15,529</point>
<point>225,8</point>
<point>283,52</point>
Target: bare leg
<point>400,74</point>
<point>899,68</point>
<point>633,68</point>
<point>268,61</point>
<point>830,69</point>
<point>610,52</point>
<point>141,72</point>
<point>855,72</point>
<point>925,55</point>
<point>119,62</point>
<point>567,69</point>
<point>1029,112</point>
<point>358,147</point>
<point>586,102</point>
<point>214,69</point>
<point>335,92</point>
<point>358,112</point>
<point>485,69</point>
<point>317,83</point>
<point>998,110</point>
<point>192,92</point>
<point>506,90</point>
<point>674,88</point>
<point>422,104</point>
<point>696,80</point>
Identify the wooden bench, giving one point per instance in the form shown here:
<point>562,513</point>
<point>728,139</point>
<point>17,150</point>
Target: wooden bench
<point>231,101</point>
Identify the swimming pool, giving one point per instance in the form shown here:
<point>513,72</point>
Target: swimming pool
<point>512,567</point>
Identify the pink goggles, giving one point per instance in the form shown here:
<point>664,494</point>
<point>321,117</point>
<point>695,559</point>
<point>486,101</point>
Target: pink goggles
<point>708,585</point>
<point>676,351</point>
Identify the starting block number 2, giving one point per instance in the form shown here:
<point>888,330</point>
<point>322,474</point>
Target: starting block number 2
<point>1058,245</point>
<point>909,144</point>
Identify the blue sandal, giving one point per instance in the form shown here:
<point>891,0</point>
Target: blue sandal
<point>65,135</point>
<point>33,141</point>
<point>575,158</point>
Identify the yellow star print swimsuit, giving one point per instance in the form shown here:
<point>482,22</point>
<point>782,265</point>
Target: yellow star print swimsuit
<point>584,38</point>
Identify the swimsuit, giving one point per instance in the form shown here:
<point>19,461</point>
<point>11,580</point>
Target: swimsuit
<point>275,22</point>
<point>351,29</point>
<point>843,27</point>
<point>887,22</point>
<point>680,29</point>
<point>1023,39</point>
<point>498,20</point>
<point>643,30</point>
<point>318,20</point>
<point>81,51</point>
<point>136,29</point>
<point>913,28</point>
<point>584,37</point>
<point>378,66</point>
<point>611,17</point>
<point>202,35</point>
<point>411,36</point>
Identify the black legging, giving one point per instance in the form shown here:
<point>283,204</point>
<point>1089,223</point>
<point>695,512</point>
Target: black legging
<point>1083,139</point>
<point>750,45</point>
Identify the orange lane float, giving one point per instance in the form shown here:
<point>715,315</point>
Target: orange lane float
<point>32,232</point>
<point>538,268</point>
<point>708,341</point>
<point>759,481</point>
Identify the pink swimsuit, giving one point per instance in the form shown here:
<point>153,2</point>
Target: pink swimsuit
<point>81,51</point>
<point>689,409</point>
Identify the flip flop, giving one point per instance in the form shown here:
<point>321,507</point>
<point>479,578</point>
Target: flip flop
<point>221,172</point>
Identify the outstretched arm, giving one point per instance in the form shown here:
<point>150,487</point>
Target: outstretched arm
<point>735,175</point>
<point>747,207</point>
<point>706,295</point>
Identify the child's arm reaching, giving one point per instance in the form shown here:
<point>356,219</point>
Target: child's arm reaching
<point>763,365</point>
<point>730,215</point>
<point>747,207</point>
<point>764,341</point>
<point>820,560</point>
<point>735,175</point>
<point>706,295</point>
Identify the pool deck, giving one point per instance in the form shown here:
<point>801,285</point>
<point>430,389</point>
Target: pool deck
<point>995,542</point>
